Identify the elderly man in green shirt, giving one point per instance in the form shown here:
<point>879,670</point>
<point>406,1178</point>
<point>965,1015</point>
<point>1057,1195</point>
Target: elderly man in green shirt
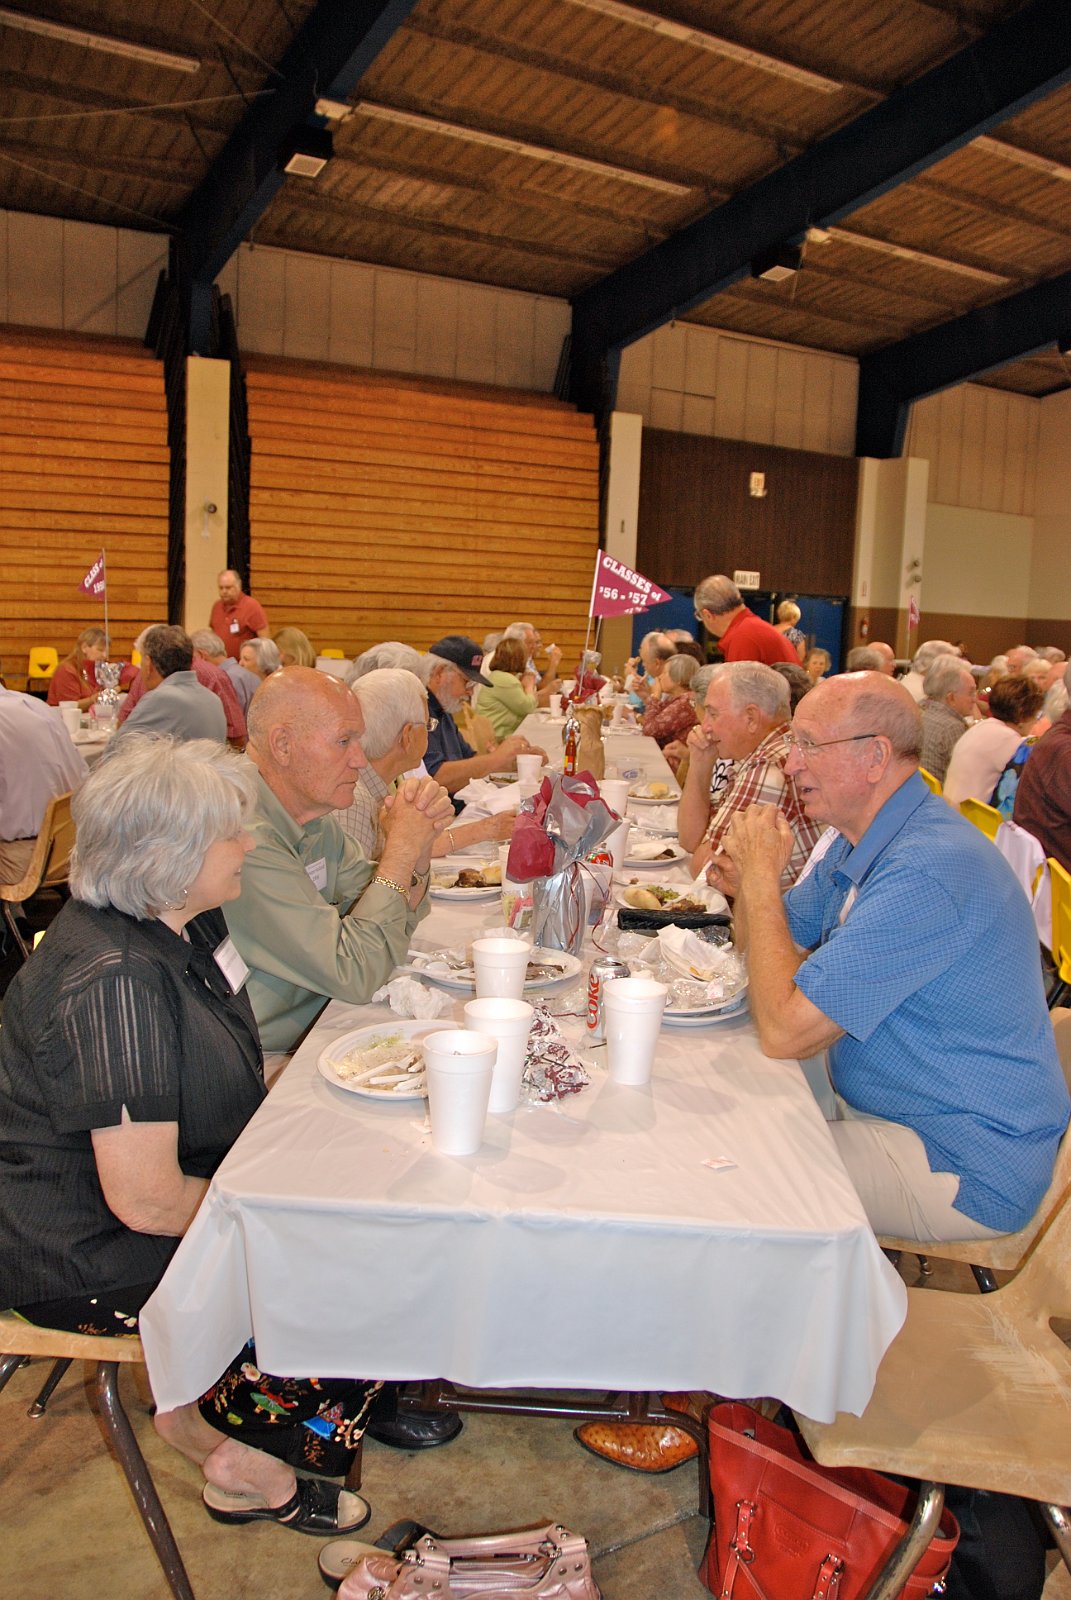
<point>317,920</point>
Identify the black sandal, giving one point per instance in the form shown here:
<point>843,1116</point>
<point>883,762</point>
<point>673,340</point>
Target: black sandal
<point>322,1509</point>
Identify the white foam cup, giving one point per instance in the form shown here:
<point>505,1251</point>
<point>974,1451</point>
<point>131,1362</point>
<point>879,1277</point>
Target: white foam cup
<point>617,844</point>
<point>459,1067</point>
<point>633,1008</point>
<point>615,792</point>
<point>509,1022</point>
<point>500,965</point>
<point>72,716</point>
<point>555,702</point>
<point>529,769</point>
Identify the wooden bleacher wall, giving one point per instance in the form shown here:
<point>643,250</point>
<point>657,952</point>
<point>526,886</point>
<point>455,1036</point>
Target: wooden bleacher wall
<point>83,464</point>
<point>395,508</point>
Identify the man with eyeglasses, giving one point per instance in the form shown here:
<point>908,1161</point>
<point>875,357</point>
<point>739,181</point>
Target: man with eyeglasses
<point>745,721</point>
<point>908,952</point>
<point>741,635</point>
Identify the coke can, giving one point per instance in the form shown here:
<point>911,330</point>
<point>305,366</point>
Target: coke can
<point>604,969</point>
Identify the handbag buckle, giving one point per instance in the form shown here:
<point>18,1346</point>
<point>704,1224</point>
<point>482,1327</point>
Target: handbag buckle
<point>740,1543</point>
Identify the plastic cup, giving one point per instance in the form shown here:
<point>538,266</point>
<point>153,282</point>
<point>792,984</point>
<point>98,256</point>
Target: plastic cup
<point>555,703</point>
<point>617,844</point>
<point>529,769</point>
<point>71,715</point>
<point>615,792</point>
<point>459,1067</point>
<point>501,965</point>
<point>633,1009</point>
<point>508,1021</point>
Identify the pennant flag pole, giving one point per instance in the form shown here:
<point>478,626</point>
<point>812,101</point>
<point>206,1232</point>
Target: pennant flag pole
<point>95,583</point>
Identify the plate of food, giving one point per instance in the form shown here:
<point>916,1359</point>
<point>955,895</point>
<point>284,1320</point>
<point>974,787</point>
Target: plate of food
<point>547,969</point>
<point>652,850</point>
<point>384,1062</point>
<point>646,907</point>
<point>681,1014</point>
<point>465,880</point>
<point>654,794</point>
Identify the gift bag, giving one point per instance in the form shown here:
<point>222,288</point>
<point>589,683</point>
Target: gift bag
<point>786,1528</point>
<point>568,819</point>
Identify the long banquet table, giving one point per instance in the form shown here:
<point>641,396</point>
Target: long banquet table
<point>587,1245</point>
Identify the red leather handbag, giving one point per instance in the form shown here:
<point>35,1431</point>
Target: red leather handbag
<point>786,1528</point>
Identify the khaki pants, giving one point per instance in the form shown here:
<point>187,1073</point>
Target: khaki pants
<point>15,858</point>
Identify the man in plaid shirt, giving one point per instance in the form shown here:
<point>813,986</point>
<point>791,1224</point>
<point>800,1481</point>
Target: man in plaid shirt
<point>745,718</point>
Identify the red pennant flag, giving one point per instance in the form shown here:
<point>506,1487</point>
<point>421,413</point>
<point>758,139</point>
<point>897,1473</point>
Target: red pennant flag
<point>95,580</point>
<point>620,592</point>
<point>914,616</point>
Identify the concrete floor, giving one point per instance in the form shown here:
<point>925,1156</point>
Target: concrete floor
<point>69,1530</point>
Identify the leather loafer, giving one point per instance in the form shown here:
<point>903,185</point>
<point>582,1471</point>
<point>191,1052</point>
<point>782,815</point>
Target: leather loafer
<point>415,1430</point>
<point>641,1447</point>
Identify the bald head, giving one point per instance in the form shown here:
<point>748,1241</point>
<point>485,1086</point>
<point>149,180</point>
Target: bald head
<point>869,702</point>
<point>887,654</point>
<point>304,733</point>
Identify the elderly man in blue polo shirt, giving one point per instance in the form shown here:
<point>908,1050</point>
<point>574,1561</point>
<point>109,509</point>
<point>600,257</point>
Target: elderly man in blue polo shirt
<point>909,953</point>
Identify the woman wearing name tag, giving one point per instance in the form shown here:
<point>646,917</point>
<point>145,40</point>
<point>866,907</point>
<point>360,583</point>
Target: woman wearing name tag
<point>129,1064</point>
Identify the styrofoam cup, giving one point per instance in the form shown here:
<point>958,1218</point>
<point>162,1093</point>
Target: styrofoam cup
<point>500,965</point>
<point>508,1021</point>
<point>555,703</point>
<point>72,716</point>
<point>617,844</point>
<point>633,1008</point>
<point>459,1068</point>
<point>615,792</point>
<point>529,769</point>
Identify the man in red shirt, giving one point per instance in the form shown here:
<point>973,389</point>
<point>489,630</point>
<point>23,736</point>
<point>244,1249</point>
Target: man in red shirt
<point>237,617</point>
<point>741,634</point>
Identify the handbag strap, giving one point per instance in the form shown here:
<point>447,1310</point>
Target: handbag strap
<point>742,1554</point>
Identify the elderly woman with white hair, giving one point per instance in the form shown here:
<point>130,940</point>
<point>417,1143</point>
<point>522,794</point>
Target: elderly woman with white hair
<point>129,1064</point>
<point>394,705</point>
<point>669,717</point>
<point>261,656</point>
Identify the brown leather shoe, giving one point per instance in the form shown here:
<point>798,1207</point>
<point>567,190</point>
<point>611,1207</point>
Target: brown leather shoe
<point>642,1447</point>
<point>693,1402</point>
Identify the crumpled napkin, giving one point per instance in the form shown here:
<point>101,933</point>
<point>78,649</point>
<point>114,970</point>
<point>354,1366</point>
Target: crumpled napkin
<point>551,1070</point>
<point>409,998</point>
<point>482,798</point>
<point>684,949</point>
<point>659,819</point>
<point>641,849</point>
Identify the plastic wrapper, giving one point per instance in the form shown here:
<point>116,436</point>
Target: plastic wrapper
<point>551,843</point>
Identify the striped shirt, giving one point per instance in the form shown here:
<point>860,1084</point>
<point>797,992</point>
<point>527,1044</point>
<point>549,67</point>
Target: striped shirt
<point>759,779</point>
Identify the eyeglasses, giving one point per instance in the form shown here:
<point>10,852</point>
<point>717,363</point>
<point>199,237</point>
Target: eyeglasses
<point>807,747</point>
<point>430,723</point>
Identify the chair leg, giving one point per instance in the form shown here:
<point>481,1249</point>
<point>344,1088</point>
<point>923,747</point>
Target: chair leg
<point>9,1365</point>
<point>984,1278</point>
<point>904,1559</point>
<point>9,918</point>
<point>139,1478</point>
<point>48,1388</point>
<point>1059,1524</point>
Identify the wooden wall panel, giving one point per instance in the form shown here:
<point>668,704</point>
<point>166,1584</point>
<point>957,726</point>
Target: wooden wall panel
<point>390,508</point>
<point>696,516</point>
<point>83,464</point>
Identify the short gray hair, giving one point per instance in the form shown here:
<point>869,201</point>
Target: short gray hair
<point>391,653</point>
<point>681,669</point>
<point>147,816</point>
<point>266,652</point>
<point>518,630</point>
<point>390,699</point>
<point>894,715</point>
<point>717,595</point>
<point>752,683</point>
<point>943,676</point>
<point>927,654</point>
<point>863,659</point>
<point>209,643</point>
<point>1050,653</point>
<point>701,681</point>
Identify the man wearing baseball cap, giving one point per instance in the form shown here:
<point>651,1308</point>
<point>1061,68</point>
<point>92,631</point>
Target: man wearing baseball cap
<point>450,670</point>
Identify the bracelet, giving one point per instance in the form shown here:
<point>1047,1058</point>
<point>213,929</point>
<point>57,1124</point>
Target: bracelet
<point>450,836</point>
<point>390,883</point>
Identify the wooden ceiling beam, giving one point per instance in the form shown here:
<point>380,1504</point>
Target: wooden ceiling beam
<point>1013,66</point>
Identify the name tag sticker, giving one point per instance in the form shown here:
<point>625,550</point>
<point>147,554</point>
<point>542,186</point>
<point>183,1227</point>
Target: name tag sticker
<point>317,871</point>
<point>234,626</point>
<point>231,964</point>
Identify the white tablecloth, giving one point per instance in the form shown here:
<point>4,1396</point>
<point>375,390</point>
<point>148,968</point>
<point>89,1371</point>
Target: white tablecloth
<point>629,749</point>
<point>586,1245</point>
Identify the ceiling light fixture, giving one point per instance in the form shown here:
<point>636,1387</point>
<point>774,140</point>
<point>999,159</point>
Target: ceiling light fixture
<point>712,42</point>
<point>494,141</point>
<point>333,110</point>
<point>775,265</point>
<point>306,152</point>
<point>98,41</point>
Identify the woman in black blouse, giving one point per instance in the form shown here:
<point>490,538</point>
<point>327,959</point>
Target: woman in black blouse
<point>129,1064</point>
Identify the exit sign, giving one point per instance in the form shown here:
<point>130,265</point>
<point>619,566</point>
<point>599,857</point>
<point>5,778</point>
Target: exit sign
<point>746,580</point>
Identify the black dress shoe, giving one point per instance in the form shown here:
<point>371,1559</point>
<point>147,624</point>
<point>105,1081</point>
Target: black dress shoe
<point>415,1430</point>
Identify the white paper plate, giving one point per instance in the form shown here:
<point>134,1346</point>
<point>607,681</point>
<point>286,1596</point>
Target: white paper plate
<point>360,1036</point>
<point>459,982</point>
<point>736,1008</point>
<point>678,964</point>
<point>680,890</point>
<point>640,797</point>
<point>663,861</point>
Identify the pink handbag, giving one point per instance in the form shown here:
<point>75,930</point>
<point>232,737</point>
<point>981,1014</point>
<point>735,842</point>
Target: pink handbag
<point>545,1563</point>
